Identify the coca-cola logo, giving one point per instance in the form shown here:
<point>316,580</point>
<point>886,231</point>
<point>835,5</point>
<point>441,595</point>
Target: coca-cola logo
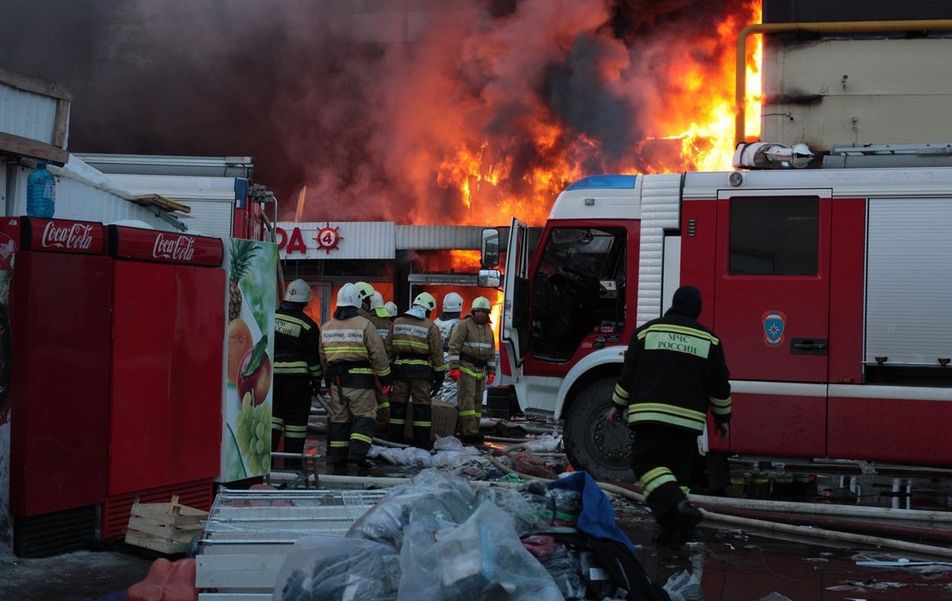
<point>176,248</point>
<point>77,236</point>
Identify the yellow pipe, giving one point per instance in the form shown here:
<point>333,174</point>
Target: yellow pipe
<point>832,27</point>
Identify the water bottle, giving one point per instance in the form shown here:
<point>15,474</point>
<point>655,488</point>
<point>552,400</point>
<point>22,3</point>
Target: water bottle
<point>40,192</point>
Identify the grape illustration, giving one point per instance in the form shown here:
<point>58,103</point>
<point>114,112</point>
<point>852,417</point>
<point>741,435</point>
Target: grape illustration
<point>254,435</point>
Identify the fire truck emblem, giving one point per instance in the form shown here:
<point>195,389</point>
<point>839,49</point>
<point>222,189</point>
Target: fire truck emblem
<point>773,322</point>
<point>328,238</point>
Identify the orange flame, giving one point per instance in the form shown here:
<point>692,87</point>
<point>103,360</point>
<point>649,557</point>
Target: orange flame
<point>695,119</point>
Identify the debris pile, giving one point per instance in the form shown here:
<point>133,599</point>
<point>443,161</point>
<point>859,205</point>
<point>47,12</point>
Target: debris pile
<point>442,538</point>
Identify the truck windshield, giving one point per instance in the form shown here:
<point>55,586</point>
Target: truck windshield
<point>578,290</point>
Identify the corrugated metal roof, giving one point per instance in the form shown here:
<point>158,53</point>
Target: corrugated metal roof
<point>438,237</point>
<point>141,164</point>
<point>26,114</point>
<point>210,198</point>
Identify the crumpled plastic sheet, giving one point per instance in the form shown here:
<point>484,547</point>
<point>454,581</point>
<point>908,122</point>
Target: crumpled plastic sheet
<point>547,443</point>
<point>449,455</point>
<point>860,586</point>
<point>320,568</point>
<point>430,492</point>
<point>926,569</point>
<point>563,566</point>
<point>480,559</point>
<point>684,586</point>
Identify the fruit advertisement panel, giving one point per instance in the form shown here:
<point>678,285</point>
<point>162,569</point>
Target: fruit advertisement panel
<point>250,304</point>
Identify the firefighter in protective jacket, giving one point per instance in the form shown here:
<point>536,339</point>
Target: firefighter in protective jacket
<point>418,370</point>
<point>674,372</point>
<point>297,370</point>
<point>446,323</point>
<point>369,311</point>
<point>355,363</point>
<point>472,361</point>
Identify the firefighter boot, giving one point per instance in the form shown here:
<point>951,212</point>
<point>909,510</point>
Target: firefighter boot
<point>688,516</point>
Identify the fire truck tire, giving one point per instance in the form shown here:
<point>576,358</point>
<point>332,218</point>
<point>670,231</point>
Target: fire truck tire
<point>602,450</point>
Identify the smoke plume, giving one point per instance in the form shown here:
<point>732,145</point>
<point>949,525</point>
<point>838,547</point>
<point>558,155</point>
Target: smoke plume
<point>460,111</point>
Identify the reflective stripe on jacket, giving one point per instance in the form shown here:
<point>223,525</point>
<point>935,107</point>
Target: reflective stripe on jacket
<point>674,373</point>
<point>417,349</point>
<point>472,348</point>
<point>296,341</point>
<point>351,347</point>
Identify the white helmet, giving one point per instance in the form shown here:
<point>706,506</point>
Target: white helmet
<point>348,296</point>
<point>391,307</point>
<point>298,292</point>
<point>376,300</point>
<point>452,303</point>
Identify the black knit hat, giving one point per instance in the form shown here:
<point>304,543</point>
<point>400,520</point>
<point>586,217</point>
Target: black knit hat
<point>688,299</point>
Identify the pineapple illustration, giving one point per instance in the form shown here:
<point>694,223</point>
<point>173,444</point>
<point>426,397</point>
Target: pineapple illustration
<point>242,254</point>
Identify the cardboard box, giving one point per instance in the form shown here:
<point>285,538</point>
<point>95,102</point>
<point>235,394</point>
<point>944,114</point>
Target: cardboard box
<point>444,419</point>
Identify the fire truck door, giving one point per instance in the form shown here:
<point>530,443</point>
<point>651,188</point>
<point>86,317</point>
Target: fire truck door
<point>515,319</point>
<point>771,305</point>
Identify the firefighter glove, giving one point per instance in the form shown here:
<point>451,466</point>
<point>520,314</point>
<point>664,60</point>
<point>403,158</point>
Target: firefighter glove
<point>490,378</point>
<point>385,388</point>
<point>454,374</point>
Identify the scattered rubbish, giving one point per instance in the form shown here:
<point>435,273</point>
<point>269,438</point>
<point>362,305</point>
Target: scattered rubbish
<point>502,430</point>
<point>320,567</point>
<point>775,596</point>
<point>440,538</point>
<point>869,585</point>
<point>923,568</point>
<point>166,581</point>
<point>547,443</point>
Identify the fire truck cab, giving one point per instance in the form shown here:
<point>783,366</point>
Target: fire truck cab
<point>831,290</point>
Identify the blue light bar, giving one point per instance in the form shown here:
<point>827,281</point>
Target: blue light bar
<point>605,182</point>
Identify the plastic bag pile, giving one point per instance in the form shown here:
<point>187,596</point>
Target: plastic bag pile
<point>441,539</point>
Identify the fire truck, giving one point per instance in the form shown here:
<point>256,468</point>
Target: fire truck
<point>830,289</point>
<point>825,270</point>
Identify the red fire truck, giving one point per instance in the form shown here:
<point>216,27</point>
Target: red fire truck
<point>831,290</point>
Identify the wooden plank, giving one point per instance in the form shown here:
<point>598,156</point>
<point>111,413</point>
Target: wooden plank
<point>11,144</point>
<point>174,535</point>
<point>28,83</point>
<point>61,125</point>
<point>155,544</point>
<point>187,526</point>
<point>237,571</point>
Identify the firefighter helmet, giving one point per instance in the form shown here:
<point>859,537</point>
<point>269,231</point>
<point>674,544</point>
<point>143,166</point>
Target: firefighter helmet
<point>391,307</point>
<point>425,300</point>
<point>364,290</point>
<point>298,292</point>
<point>376,300</point>
<point>452,303</point>
<point>481,303</point>
<point>348,296</point>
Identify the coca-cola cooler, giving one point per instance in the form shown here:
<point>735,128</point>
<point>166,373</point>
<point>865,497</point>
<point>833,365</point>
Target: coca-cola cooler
<point>60,299</point>
<point>166,361</point>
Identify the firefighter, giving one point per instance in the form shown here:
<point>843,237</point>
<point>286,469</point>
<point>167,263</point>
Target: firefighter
<point>418,370</point>
<point>381,320</point>
<point>674,372</point>
<point>352,354</point>
<point>446,323</point>
<point>297,370</point>
<point>472,361</point>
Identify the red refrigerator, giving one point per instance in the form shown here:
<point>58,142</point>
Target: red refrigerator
<point>60,299</point>
<point>166,363</point>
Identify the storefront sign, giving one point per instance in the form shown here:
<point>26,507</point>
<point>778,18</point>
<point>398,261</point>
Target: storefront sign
<point>164,247</point>
<point>60,235</point>
<point>340,240</point>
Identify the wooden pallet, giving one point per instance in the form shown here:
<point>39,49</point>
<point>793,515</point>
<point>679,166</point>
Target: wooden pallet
<point>164,527</point>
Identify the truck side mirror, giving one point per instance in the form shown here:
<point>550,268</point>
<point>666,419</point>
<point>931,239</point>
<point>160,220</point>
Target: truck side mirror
<point>489,278</point>
<point>489,248</point>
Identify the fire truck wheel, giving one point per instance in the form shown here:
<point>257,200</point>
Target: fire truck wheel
<point>603,450</point>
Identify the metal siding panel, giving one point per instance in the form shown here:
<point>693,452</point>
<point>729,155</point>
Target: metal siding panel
<point>660,207</point>
<point>77,200</point>
<point>908,313</point>
<point>438,237</point>
<point>26,114</point>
